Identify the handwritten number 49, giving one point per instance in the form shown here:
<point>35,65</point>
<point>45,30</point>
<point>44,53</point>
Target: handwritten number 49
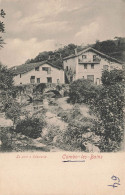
<point>116,184</point>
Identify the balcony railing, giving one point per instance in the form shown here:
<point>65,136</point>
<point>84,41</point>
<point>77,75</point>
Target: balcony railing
<point>90,61</point>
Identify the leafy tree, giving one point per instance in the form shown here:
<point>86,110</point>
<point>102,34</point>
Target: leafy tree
<point>13,112</point>
<point>107,46</point>
<point>112,77</point>
<point>82,91</point>
<point>6,78</point>
<point>2,27</point>
<point>108,106</point>
<point>31,127</point>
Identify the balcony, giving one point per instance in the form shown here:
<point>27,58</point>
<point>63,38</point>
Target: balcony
<point>89,61</point>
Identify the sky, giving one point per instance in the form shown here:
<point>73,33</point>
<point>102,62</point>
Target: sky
<point>33,26</point>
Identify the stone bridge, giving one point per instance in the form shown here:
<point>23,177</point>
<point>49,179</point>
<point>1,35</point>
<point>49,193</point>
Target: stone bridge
<point>36,92</point>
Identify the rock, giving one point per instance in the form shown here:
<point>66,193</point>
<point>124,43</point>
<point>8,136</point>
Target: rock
<point>44,132</point>
<point>55,139</point>
<point>87,135</point>
<point>38,144</point>
<point>5,122</point>
<point>91,147</point>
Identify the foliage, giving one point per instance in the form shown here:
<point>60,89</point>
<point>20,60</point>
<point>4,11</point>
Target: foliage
<point>108,106</point>
<point>113,48</point>
<point>54,57</point>
<point>6,139</point>
<point>31,127</point>
<point>107,46</point>
<point>82,91</point>
<point>39,88</point>
<point>2,27</point>
<point>106,102</point>
<point>6,78</point>
<point>11,108</point>
<point>73,136</point>
<point>112,77</point>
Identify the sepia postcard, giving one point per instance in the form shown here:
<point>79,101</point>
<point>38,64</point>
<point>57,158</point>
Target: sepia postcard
<point>62,81</point>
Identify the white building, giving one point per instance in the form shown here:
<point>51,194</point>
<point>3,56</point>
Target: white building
<point>88,64</point>
<point>41,72</point>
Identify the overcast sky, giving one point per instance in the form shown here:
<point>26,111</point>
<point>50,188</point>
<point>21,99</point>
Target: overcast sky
<point>33,26</point>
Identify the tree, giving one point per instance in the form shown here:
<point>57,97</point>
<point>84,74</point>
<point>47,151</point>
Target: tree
<point>13,111</point>
<point>112,77</point>
<point>6,78</point>
<point>82,91</point>
<point>2,27</point>
<point>108,106</point>
<point>106,47</point>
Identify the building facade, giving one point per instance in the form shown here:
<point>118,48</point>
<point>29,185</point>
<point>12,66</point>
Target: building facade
<point>35,73</point>
<point>88,64</point>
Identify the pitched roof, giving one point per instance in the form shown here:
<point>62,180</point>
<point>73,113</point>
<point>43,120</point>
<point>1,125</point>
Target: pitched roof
<point>96,51</point>
<point>28,67</point>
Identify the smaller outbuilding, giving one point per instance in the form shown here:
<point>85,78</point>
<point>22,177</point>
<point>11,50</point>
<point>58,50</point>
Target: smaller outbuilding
<point>35,73</point>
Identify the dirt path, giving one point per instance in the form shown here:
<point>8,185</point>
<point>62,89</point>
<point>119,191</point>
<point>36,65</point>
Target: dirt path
<point>53,119</point>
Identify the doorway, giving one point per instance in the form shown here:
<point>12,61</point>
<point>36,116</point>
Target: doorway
<point>49,79</point>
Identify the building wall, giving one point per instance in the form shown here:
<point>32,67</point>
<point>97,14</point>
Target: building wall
<point>81,72</point>
<point>56,74</point>
<point>70,63</point>
<point>98,68</point>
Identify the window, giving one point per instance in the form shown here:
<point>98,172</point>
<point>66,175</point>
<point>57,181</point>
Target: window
<point>49,70</point>
<point>85,66</point>
<point>20,75</point>
<point>105,67</point>
<point>90,78</point>
<point>49,79</point>
<point>36,68</point>
<point>32,79</point>
<point>97,81</point>
<point>67,68</point>
<point>45,68</point>
<point>38,80</point>
<point>71,78</point>
<point>92,66</point>
<point>58,81</point>
<point>94,56</point>
<point>84,56</point>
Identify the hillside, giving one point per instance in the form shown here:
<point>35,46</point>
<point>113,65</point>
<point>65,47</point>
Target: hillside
<point>114,48</point>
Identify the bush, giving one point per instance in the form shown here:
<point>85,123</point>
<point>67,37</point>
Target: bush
<point>72,137</point>
<point>109,108</point>
<point>112,77</point>
<point>6,139</point>
<point>82,91</point>
<point>39,88</point>
<point>31,127</point>
<point>107,103</point>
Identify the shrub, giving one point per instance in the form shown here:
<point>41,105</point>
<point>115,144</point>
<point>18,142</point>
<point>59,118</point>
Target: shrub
<point>6,139</point>
<point>31,127</point>
<point>109,108</point>
<point>112,77</point>
<point>39,88</point>
<point>82,91</point>
<point>72,137</point>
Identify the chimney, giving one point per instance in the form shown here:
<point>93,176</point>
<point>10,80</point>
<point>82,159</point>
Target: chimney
<point>75,51</point>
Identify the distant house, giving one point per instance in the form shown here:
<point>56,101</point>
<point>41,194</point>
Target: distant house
<point>88,64</point>
<point>41,72</point>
